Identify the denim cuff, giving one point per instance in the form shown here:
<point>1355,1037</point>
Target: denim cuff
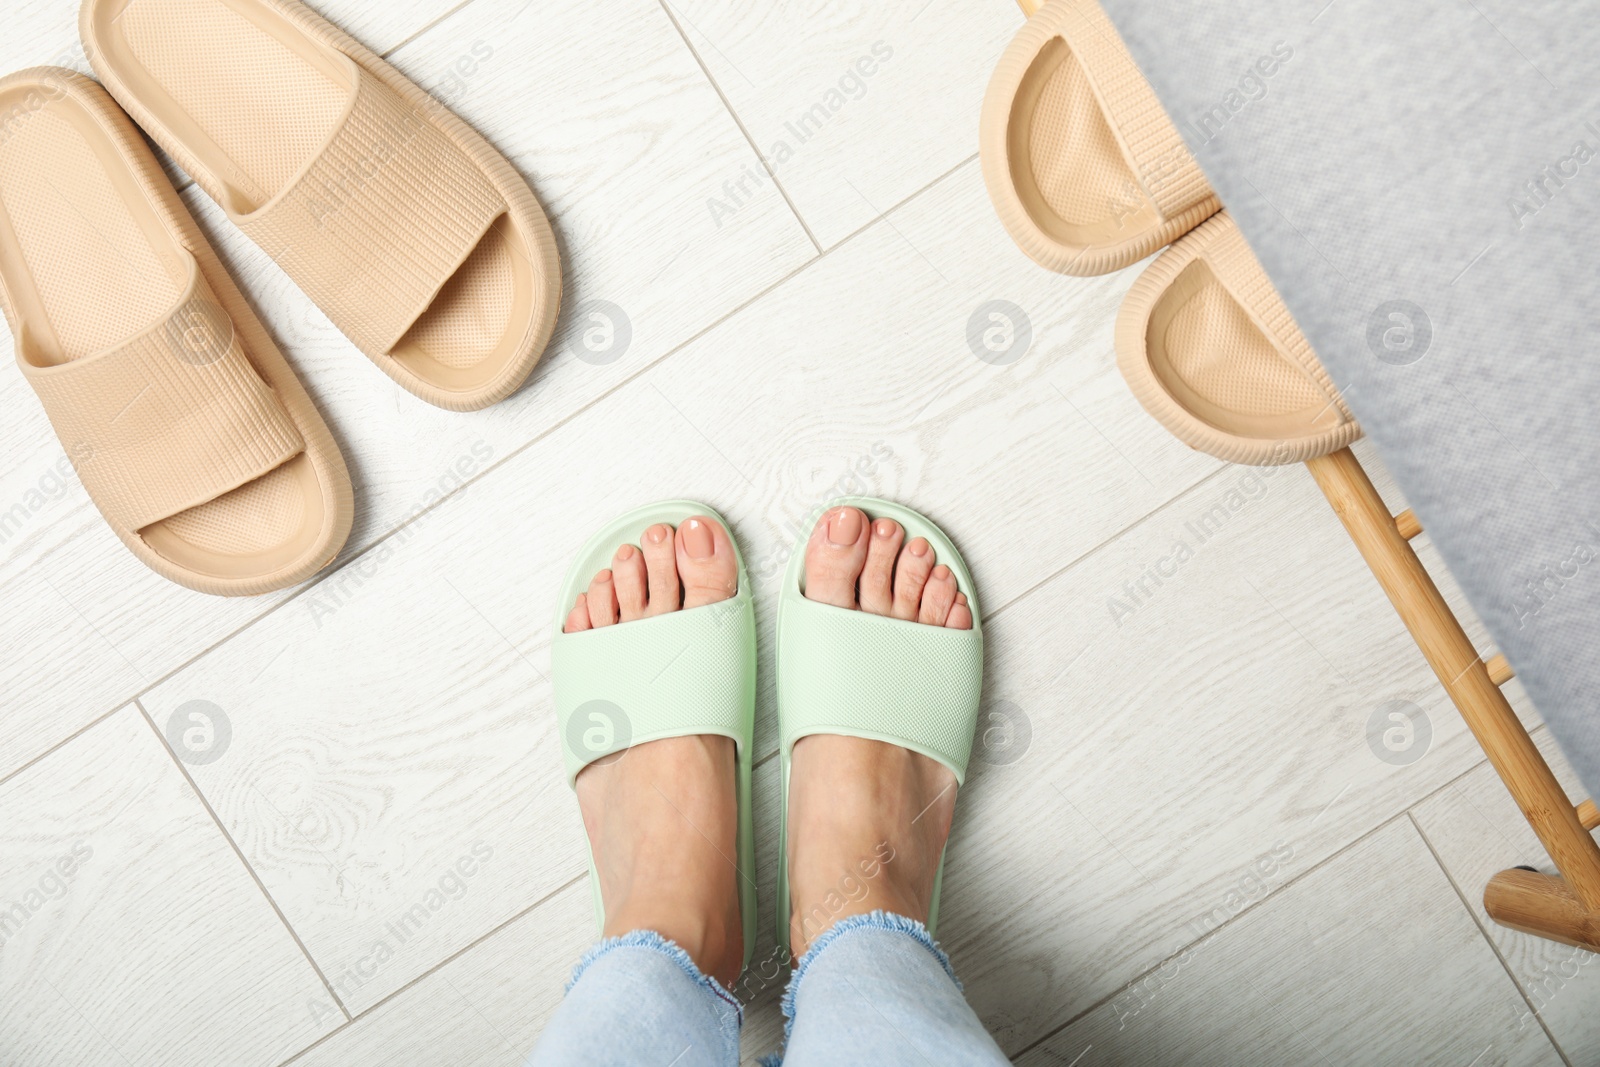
<point>649,939</point>
<point>875,920</point>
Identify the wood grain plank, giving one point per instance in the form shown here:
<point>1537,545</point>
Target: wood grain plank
<point>1477,831</point>
<point>1369,959</point>
<point>130,933</point>
<point>853,105</point>
<point>618,160</point>
<point>42,33</point>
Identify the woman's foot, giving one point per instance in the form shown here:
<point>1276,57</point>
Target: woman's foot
<point>662,818</point>
<point>868,820</point>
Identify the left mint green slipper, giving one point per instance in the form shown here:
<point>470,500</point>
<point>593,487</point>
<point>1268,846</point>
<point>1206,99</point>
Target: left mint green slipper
<point>675,675</point>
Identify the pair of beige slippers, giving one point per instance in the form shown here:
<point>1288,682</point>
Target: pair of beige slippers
<point>188,428</point>
<point>1089,175</point>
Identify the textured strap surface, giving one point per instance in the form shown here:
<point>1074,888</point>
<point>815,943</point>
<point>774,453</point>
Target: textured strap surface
<point>686,672</point>
<point>381,220</point>
<point>1235,266</point>
<point>173,418</point>
<point>849,672</point>
<point>1165,167</point>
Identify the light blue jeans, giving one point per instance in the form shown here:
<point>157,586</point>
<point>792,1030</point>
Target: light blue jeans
<point>873,989</point>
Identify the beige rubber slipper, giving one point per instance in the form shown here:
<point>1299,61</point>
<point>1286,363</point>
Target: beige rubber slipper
<point>187,428</point>
<point>1085,169</point>
<point>1209,349</point>
<point>413,234</point>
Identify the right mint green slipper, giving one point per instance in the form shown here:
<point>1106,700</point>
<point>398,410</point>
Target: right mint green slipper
<point>884,679</point>
<point>675,675</point>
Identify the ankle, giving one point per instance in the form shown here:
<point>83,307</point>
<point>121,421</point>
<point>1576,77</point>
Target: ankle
<point>715,942</point>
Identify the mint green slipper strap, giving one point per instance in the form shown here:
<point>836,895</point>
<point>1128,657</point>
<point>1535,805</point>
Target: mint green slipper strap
<point>687,672</point>
<point>848,672</point>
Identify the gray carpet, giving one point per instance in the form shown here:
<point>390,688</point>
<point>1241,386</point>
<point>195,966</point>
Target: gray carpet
<point>1421,179</point>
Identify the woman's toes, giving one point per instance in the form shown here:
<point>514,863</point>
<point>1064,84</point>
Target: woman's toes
<point>835,555</point>
<point>578,617</point>
<point>707,566</point>
<point>938,597</point>
<point>602,599</point>
<point>960,617</point>
<point>910,575</point>
<point>877,577</point>
<point>661,562</point>
<point>627,576</point>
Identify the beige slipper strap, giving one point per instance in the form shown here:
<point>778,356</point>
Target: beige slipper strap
<point>1236,268</point>
<point>381,220</point>
<point>1163,165</point>
<point>174,418</point>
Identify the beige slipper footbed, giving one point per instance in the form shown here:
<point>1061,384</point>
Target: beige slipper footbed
<point>1208,347</point>
<point>1085,169</point>
<point>187,427</point>
<point>411,232</point>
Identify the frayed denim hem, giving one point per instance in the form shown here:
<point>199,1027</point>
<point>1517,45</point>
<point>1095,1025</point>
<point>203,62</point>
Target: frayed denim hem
<point>651,940</point>
<point>876,920</point>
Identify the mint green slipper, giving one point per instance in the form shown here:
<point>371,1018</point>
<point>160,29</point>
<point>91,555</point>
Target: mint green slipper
<point>674,675</point>
<point>848,672</point>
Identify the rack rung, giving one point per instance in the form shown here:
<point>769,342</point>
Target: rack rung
<point>1407,524</point>
<point>1589,815</point>
<point>1499,669</point>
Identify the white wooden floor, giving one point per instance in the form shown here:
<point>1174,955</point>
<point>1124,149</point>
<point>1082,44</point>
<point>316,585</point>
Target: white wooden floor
<point>1184,840</point>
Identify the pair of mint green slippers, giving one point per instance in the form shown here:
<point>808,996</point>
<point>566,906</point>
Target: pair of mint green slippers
<point>694,672</point>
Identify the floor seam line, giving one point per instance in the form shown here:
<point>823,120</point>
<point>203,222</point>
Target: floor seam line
<point>387,997</point>
<point>446,17</point>
<point>53,749</point>
<point>238,852</point>
<point>1208,935</point>
<point>1484,933</point>
<point>728,105</point>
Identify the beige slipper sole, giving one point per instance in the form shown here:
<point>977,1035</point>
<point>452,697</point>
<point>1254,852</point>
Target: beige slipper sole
<point>1085,169</point>
<point>187,428</point>
<point>410,231</point>
<point>1209,349</point>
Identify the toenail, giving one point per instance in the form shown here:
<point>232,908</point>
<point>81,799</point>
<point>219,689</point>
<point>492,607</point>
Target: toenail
<point>603,577</point>
<point>941,572</point>
<point>919,547</point>
<point>656,534</point>
<point>885,528</point>
<point>697,540</point>
<point>625,552</point>
<point>844,527</point>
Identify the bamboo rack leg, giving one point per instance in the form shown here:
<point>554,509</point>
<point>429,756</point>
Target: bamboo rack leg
<point>1543,905</point>
<point>1465,678</point>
